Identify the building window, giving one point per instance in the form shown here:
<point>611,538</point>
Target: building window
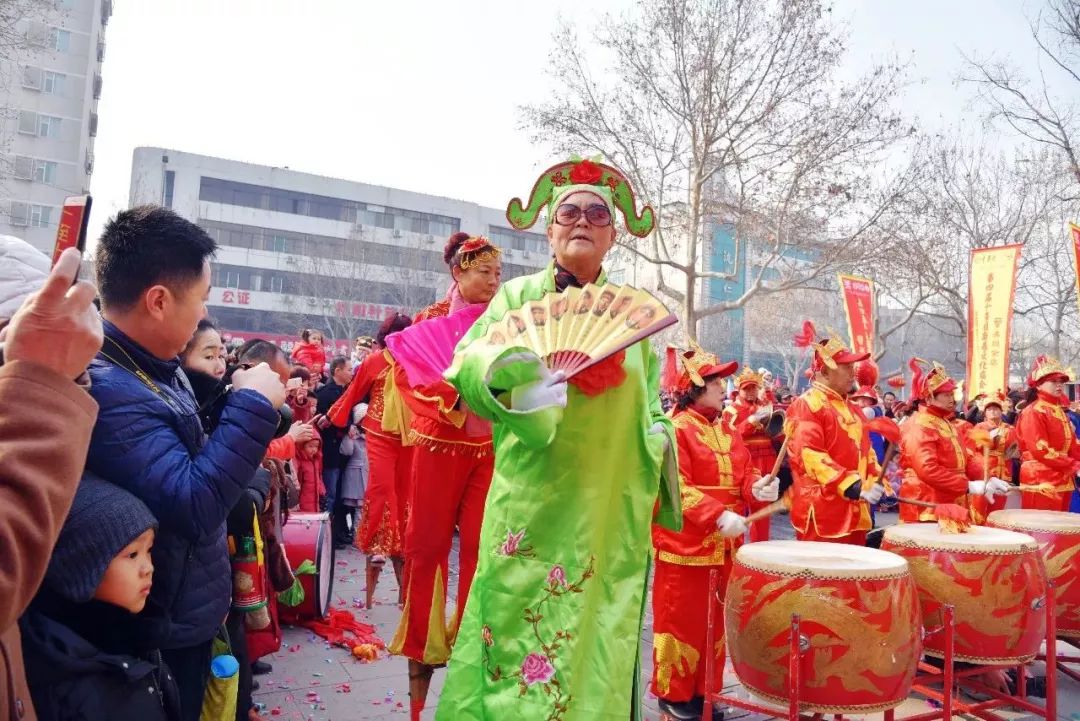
<point>45,171</point>
<point>256,281</point>
<point>48,126</point>
<point>276,243</point>
<point>40,216</point>
<point>59,40</point>
<point>232,279</point>
<point>170,183</point>
<point>277,283</point>
<point>53,83</point>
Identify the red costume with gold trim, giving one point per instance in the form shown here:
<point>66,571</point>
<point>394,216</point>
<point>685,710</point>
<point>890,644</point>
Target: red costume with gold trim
<point>385,510</point>
<point>1049,450</point>
<point>829,451</point>
<point>452,466</point>
<point>933,460</point>
<point>757,441</point>
<point>715,474</point>
<point>986,445</point>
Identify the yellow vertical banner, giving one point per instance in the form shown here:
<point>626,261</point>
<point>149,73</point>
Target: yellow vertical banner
<point>991,290</point>
<point>1075,234</point>
<point>858,297</point>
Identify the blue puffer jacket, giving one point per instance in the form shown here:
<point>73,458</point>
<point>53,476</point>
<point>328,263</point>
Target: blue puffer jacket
<point>154,447</point>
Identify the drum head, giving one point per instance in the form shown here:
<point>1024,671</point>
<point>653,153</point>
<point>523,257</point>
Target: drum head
<point>977,539</point>
<point>1036,521</point>
<point>812,559</point>
<point>324,582</point>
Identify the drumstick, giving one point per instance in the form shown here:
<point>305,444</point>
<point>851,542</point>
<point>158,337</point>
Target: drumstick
<point>781,503</point>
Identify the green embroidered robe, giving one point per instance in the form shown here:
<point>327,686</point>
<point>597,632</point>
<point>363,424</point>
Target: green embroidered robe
<point>553,622</point>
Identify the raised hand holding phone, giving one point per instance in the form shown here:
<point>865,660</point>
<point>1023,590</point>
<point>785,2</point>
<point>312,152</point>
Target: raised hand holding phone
<point>57,327</point>
<point>71,232</point>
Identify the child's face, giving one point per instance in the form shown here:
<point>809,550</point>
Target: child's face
<point>127,579</point>
<point>311,448</point>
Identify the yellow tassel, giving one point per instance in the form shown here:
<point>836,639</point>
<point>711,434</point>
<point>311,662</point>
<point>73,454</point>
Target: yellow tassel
<point>396,418</point>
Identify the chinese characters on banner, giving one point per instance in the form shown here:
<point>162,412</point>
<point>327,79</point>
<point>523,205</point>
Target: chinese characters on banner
<point>1076,255</point>
<point>991,287</point>
<point>858,297</point>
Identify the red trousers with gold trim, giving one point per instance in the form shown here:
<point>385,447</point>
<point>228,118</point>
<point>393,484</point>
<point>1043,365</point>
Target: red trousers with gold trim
<point>449,491</point>
<point>681,602</point>
<point>855,538</point>
<point>763,456</point>
<point>385,512</point>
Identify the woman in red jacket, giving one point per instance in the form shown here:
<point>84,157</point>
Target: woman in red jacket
<point>384,512</point>
<point>452,465</point>
<point>1050,453</point>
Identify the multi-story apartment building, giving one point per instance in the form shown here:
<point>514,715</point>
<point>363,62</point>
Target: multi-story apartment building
<point>299,250</point>
<point>49,119</point>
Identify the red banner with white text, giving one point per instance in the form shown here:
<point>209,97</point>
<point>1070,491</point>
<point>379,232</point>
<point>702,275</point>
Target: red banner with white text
<point>858,297</point>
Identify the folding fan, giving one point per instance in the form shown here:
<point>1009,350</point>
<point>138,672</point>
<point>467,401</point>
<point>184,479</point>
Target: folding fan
<point>425,350</point>
<point>580,327</point>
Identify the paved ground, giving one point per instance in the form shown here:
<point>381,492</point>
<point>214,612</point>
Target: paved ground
<point>313,682</point>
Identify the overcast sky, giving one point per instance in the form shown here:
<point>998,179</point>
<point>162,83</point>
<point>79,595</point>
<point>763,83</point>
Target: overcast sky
<point>423,95</point>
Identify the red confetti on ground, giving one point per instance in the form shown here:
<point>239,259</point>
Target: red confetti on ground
<point>276,711</point>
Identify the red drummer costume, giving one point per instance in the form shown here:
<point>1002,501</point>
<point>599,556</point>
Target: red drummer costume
<point>832,461</point>
<point>1050,452</point>
<point>749,415</point>
<point>716,475</point>
<point>933,461</point>
<point>987,444</point>
<point>452,466</point>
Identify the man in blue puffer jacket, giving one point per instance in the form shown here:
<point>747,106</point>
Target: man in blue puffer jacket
<point>154,278</point>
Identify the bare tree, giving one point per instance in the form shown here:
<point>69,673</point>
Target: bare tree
<point>1042,110</point>
<point>973,198</point>
<point>336,294</point>
<point>731,113</point>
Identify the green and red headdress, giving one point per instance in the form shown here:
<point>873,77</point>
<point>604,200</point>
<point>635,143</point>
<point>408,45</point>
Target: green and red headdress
<point>581,175</point>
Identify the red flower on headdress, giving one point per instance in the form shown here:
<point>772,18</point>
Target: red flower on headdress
<point>586,173</point>
<point>474,244</point>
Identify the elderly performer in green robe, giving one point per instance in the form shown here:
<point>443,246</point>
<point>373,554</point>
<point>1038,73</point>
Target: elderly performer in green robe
<point>552,627</point>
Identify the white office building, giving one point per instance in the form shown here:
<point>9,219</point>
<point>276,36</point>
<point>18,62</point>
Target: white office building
<point>299,250</point>
<point>50,99</point>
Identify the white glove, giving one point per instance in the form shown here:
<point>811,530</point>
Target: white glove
<point>766,488</point>
<point>991,488</point>
<point>656,428</point>
<point>731,524</point>
<point>548,391</point>
<point>873,494</point>
<point>759,416</point>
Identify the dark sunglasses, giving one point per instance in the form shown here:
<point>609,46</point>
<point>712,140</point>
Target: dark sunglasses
<point>598,215</point>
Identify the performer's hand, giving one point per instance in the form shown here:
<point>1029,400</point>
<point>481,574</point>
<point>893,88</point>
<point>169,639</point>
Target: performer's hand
<point>658,428</point>
<point>731,524</point>
<point>873,494</point>
<point>548,392</point>
<point>766,488</point>
<point>996,487</point>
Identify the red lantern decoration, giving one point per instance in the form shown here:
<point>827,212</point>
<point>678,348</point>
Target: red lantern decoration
<point>896,382</point>
<point>866,373</point>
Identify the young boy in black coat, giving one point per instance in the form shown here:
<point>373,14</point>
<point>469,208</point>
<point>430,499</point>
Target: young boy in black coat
<point>90,638</point>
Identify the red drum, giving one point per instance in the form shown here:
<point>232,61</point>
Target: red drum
<point>308,538</point>
<point>993,579</point>
<point>1058,536</point>
<point>859,628</point>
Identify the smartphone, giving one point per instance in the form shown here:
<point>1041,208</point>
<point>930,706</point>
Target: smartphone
<point>294,383</point>
<point>71,233</point>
